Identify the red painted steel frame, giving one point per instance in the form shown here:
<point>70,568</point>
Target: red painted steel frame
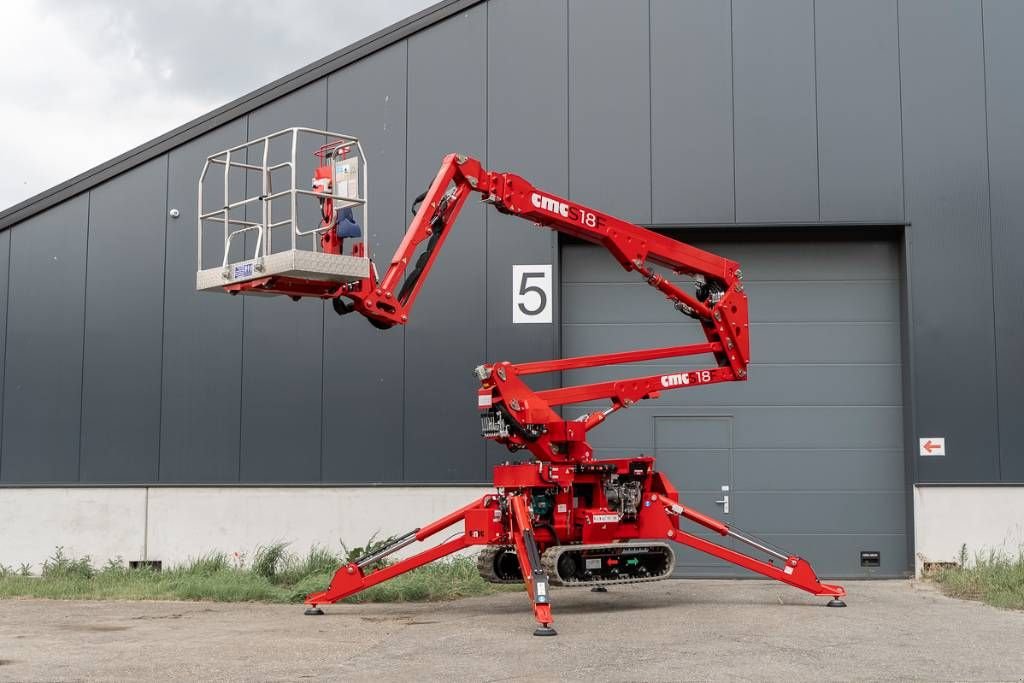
<point>564,460</point>
<point>390,301</point>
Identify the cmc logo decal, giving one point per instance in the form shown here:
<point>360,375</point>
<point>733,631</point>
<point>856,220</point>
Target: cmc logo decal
<point>675,380</point>
<point>686,378</point>
<point>560,208</point>
<point>539,201</point>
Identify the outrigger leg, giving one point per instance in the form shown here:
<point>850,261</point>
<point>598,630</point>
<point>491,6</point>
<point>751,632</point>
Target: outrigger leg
<point>795,571</point>
<point>483,526</point>
<point>534,576</point>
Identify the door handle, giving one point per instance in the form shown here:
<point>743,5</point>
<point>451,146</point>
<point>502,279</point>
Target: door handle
<point>724,503</point>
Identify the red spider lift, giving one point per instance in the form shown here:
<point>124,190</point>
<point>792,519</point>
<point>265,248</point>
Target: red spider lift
<point>562,516</point>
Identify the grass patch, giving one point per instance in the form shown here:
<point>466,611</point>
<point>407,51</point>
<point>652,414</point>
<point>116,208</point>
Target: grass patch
<point>274,575</point>
<point>996,579</point>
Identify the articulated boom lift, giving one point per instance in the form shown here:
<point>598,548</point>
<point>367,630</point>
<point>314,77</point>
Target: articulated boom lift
<point>562,517</point>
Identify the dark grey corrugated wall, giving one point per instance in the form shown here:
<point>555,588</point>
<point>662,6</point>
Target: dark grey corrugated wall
<point>702,111</point>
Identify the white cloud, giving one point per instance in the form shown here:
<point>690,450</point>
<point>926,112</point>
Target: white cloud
<point>85,80</point>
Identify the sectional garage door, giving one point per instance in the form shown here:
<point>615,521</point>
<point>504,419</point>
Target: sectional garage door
<point>809,450</point>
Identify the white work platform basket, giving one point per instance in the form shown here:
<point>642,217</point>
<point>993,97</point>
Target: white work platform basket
<point>258,223</point>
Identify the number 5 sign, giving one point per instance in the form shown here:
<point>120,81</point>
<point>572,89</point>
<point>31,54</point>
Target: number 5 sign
<point>531,294</point>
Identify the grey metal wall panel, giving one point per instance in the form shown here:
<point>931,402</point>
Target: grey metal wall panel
<point>1004,54</point>
<point>5,250</point>
<point>124,327</point>
<point>819,470</point>
<point>527,133</point>
<point>852,302</point>
<point>610,107</point>
<point>363,438</point>
<point>282,346</point>
<point>837,556</point>
<point>775,121</point>
<point>858,88</point>
<point>816,434</point>
<point>947,201</point>
<point>202,359</point>
<point>778,260</point>
<point>835,512</point>
<point>698,468</point>
<point>43,378</point>
<point>691,112</point>
<point>445,338</point>
<point>782,426</point>
<point>824,342</point>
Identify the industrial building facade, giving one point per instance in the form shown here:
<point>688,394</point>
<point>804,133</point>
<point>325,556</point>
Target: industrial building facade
<point>863,161</point>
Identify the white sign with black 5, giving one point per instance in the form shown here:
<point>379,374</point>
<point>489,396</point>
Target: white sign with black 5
<point>531,294</point>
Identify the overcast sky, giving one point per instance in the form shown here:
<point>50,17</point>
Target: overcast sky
<point>85,80</point>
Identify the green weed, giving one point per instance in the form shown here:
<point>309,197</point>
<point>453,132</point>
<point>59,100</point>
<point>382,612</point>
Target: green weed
<point>274,575</point>
<point>995,578</point>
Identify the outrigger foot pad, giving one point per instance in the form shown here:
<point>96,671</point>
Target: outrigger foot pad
<point>313,611</point>
<point>598,589</point>
<point>545,631</point>
<point>836,602</point>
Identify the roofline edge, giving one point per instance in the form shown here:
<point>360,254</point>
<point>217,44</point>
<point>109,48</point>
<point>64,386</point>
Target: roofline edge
<point>234,109</point>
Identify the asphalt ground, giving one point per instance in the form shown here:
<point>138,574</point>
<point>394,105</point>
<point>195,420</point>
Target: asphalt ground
<point>665,631</point>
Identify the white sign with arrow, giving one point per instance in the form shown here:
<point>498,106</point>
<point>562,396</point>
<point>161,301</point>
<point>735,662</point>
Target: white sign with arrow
<point>933,445</point>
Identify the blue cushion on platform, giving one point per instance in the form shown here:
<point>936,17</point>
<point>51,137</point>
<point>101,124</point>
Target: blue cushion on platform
<point>347,225</point>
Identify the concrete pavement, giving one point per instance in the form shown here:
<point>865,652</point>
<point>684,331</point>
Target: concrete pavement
<point>666,631</point>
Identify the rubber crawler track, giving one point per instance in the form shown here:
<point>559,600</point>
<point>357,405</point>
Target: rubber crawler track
<point>550,558</point>
<point>485,564</point>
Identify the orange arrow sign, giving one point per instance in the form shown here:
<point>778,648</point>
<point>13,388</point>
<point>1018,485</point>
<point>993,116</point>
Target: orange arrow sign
<point>929,446</point>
